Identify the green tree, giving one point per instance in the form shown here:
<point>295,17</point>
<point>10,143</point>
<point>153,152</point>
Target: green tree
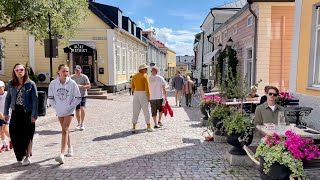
<point>32,15</point>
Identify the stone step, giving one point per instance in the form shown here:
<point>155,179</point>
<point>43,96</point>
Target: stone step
<point>96,92</point>
<point>95,89</point>
<point>104,96</point>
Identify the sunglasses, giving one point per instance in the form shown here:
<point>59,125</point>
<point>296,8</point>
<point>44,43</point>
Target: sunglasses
<point>17,70</point>
<point>273,94</point>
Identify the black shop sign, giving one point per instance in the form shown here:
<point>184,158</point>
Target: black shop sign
<point>78,48</point>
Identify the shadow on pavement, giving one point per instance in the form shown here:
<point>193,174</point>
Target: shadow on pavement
<point>190,162</point>
<point>118,135</point>
<point>51,132</point>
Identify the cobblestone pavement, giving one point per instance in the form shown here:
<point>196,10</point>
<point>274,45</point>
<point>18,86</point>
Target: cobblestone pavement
<point>108,150</point>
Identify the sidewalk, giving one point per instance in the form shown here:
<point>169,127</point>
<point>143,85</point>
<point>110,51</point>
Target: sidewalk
<point>108,150</point>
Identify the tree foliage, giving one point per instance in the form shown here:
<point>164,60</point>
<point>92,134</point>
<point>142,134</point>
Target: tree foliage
<point>32,15</point>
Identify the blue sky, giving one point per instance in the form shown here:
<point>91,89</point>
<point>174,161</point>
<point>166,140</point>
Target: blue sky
<point>175,21</point>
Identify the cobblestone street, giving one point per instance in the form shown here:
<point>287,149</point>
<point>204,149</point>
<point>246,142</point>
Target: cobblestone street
<point>108,150</point>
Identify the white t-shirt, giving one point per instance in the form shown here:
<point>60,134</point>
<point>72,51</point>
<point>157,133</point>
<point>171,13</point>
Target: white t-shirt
<point>2,101</point>
<point>156,83</point>
<point>273,107</point>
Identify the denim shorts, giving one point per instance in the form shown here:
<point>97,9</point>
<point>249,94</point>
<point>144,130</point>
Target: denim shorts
<point>82,103</point>
<point>3,122</point>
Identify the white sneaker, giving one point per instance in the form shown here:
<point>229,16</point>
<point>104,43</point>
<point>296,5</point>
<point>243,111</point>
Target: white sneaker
<point>26,162</point>
<point>150,130</point>
<point>133,130</point>
<point>82,127</point>
<point>78,127</point>
<point>70,152</point>
<point>60,159</point>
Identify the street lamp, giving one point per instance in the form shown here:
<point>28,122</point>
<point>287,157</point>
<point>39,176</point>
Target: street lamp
<point>220,46</point>
<point>230,42</point>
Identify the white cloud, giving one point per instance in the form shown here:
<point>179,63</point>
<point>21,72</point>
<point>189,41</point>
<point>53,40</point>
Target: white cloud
<point>180,41</point>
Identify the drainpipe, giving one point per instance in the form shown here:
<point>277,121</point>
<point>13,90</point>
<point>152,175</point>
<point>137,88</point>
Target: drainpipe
<point>201,77</point>
<point>215,65</point>
<point>250,2</point>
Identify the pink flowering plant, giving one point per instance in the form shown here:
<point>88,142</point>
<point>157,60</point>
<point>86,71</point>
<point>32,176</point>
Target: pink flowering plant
<point>289,152</point>
<point>283,96</point>
<point>210,101</point>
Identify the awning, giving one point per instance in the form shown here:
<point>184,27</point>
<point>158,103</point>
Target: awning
<point>209,56</point>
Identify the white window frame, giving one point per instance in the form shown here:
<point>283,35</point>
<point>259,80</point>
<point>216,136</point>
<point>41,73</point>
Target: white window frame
<point>130,60</point>
<point>246,60</point>
<point>248,21</point>
<point>317,28</point>
<point>124,60</point>
<point>235,29</point>
<point>135,68</point>
<point>2,47</point>
<point>118,61</point>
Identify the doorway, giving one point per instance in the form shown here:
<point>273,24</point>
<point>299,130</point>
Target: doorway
<point>85,60</point>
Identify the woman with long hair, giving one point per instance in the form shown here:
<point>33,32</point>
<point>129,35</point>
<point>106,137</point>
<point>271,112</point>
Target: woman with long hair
<point>64,95</point>
<point>22,98</point>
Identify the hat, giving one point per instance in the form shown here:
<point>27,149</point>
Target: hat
<point>2,84</point>
<point>143,66</point>
<point>77,67</point>
<point>154,67</point>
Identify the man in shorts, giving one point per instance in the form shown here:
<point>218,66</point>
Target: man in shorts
<point>83,83</point>
<point>4,126</point>
<point>157,93</point>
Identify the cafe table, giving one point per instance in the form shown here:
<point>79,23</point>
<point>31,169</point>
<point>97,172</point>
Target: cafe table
<point>211,94</point>
<point>298,113</point>
<point>281,132</point>
<point>235,103</point>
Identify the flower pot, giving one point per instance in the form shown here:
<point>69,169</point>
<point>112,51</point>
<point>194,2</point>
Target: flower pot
<point>233,140</point>
<point>205,110</point>
<point>277,172</point>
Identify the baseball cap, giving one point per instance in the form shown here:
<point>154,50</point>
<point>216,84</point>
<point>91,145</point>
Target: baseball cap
<point>77,67</point>
<point>2,84</point>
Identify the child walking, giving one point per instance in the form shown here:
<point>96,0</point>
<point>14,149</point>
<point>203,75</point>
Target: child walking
<point>4,126</point>
<point>64,95</point>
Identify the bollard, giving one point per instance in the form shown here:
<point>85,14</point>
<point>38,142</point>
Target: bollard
<point>42,103</point>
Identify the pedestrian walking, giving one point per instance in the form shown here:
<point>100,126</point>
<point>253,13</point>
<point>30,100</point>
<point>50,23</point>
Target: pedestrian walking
<point>177,83</point>
<point>4,125</point>
<point>141,97</point>
<point>22,98</point>
<point>130,85</point>
<point>83,83</point>
<point>158,95</point>
<point>187,90</point>
<point>64,95</point>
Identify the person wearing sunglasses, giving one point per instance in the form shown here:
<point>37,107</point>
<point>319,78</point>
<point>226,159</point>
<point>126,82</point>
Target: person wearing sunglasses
<point>268,111</point>
<point>22,98</point>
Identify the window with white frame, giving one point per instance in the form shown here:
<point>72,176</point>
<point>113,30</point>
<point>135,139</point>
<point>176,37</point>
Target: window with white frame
<point>118,58</point>
<point>249,66</point>
<point>235,29</point>
<point>130,61</point>
<point>249,21</point>
<point>1,56</point>
<point>135,61</point>
<point>316,60</point>
<point>124,60</point>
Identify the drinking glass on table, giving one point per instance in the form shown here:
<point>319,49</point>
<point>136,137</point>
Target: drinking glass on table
<point>281,126</point>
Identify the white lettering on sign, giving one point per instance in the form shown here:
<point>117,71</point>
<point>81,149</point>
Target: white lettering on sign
<point>78,48</point>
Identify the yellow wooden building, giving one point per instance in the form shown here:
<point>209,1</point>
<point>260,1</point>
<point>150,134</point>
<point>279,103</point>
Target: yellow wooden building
<point>107,45</point>
<point>305,63</point>
<point>171,62</point>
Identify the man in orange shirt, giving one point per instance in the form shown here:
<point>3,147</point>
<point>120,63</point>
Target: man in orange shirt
<point>141,97</point>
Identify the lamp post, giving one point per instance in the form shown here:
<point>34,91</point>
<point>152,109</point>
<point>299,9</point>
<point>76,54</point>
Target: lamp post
<point>50,47</point>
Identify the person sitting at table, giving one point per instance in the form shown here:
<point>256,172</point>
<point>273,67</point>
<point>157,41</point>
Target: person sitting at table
<point>263,98</point>
<point>268,111</point>
<point>253,96</point>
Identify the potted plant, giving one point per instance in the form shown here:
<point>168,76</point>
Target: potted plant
<point>284,159</point>
<point>238,125</point>
<point>284,98</point>
<point>207,103</point>
<point>215,121</point>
